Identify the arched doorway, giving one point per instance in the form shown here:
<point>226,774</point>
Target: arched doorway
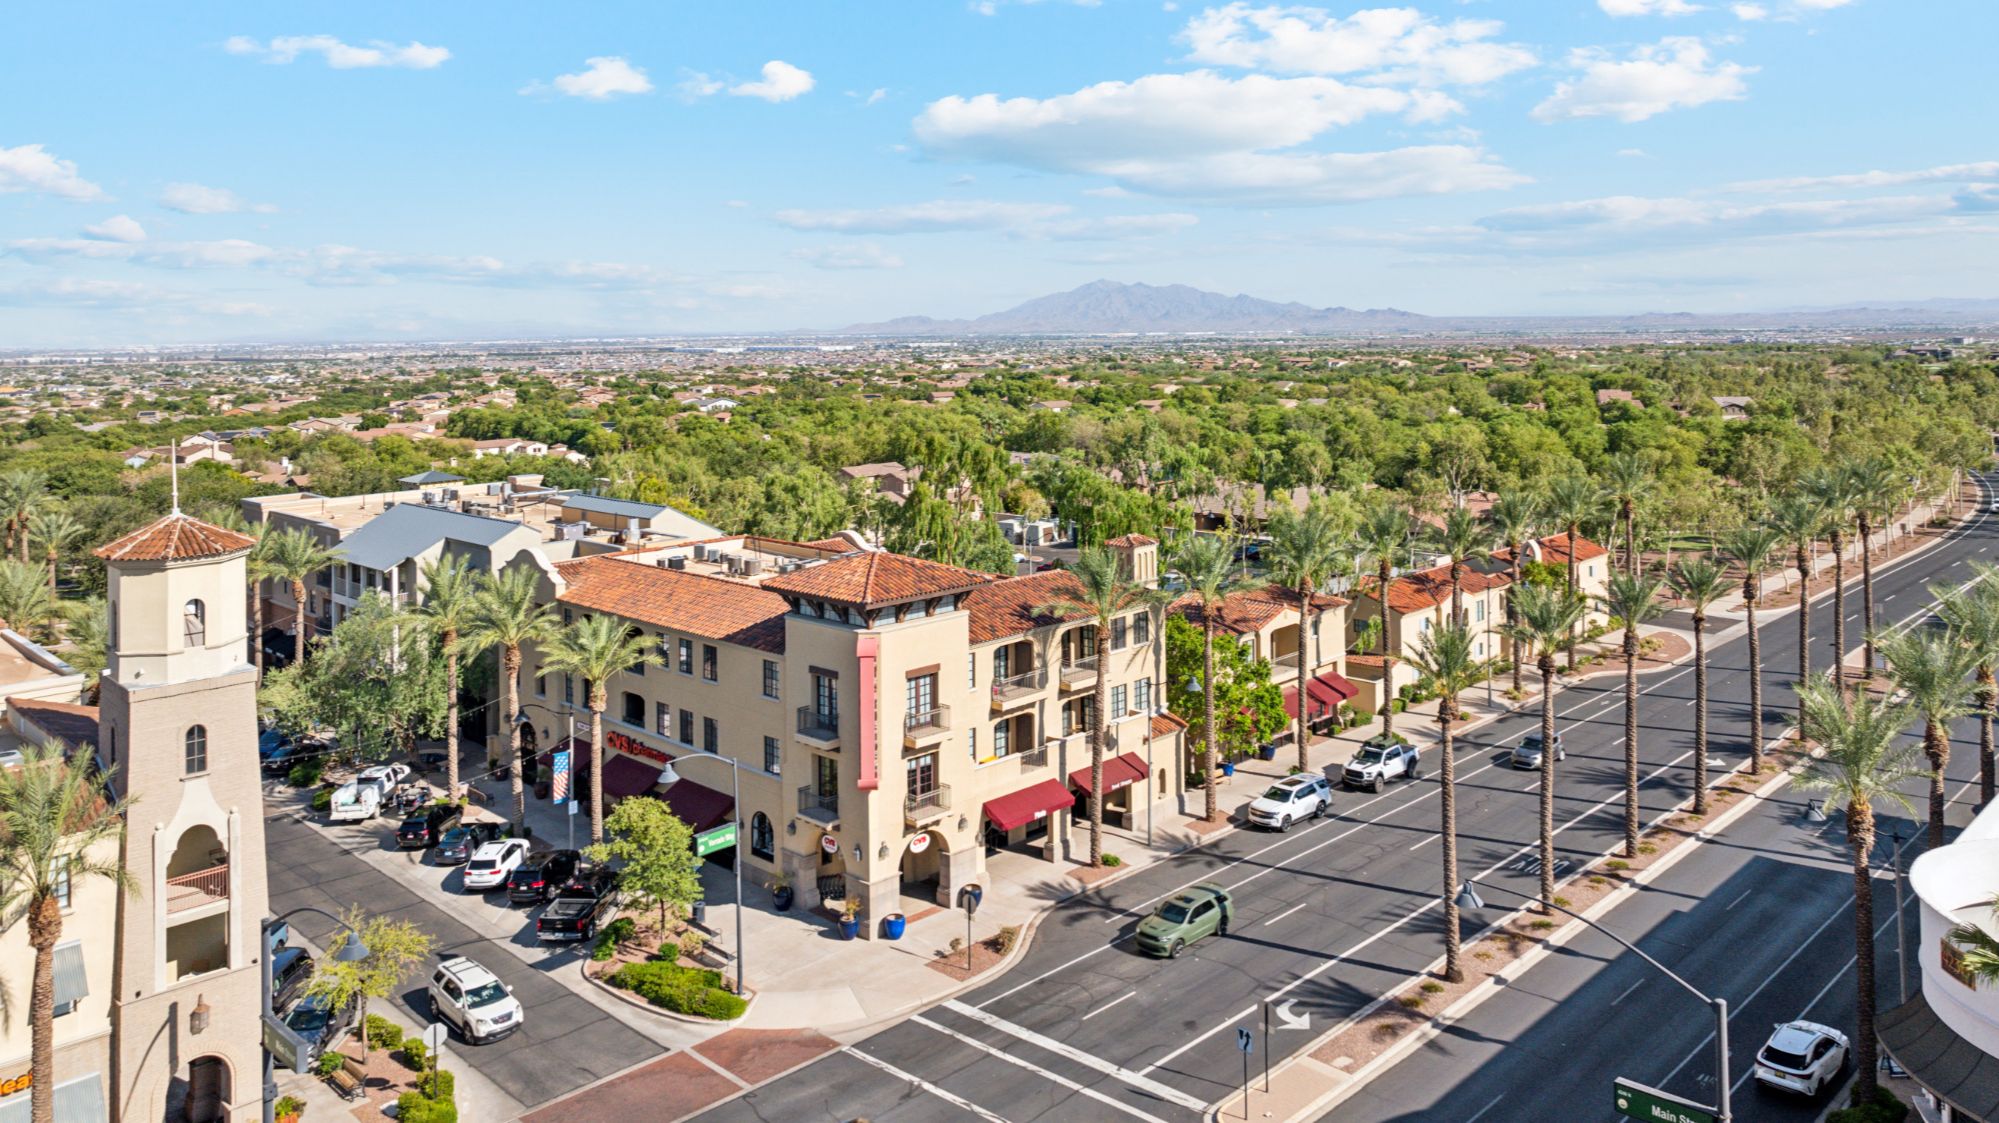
<point>924,859</point>
<point>208,1089</point>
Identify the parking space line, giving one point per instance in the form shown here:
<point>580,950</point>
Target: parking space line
<point>1041,1041</point>
<point>1053,1077</point>
<point>1108,1005</point>
<point>1285,913</point>
<point>951,1098</point>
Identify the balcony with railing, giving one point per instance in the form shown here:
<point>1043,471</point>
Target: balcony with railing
<point>926,726</point>
<point>919,807</point>
<point>195,890</point>
<point>818,727</point>
<point>1017,689</point>
<point>1036,757</point>
<point>823,807</point>
<point>1079,673</point>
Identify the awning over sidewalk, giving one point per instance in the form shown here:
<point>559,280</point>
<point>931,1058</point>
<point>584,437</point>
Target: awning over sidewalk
<point>697,806</point>
<point>628,775</point>
<point>1121,771</point>
<point>1017,809</point>
<point>1963,1074</point>
<point>579,760</point>
<point>1326,692</point>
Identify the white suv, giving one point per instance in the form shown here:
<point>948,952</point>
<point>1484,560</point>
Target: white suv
<point>494,862</point>
<point>1291,799</point>
<point>1801,1057</point>
<point>475,1000</point>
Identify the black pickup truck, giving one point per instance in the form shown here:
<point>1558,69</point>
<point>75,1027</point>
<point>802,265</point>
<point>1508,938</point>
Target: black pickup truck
<point>578,906</point>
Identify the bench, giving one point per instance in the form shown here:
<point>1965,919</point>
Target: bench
<point>349,1079</point>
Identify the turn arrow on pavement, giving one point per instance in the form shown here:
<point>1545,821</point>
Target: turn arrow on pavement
<point>1288,1020</point>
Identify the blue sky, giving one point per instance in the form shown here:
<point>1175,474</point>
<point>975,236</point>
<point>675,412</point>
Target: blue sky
<point>218,172</point>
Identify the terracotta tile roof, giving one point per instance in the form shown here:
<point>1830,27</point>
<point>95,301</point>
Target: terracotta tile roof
<point>176,537</point>
<point>72,724</point>
<point>877,577</point>
<point>1427,588</point>
<point>1251,610</point>
<point>694,603</point>
<point>1126,541</point>
<point>1006,608</point>
<point>1555,550</point>
<point>1166,725</point>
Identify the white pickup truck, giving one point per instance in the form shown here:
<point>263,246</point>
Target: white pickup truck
<point>354,801</point>
<point>1381,758</point>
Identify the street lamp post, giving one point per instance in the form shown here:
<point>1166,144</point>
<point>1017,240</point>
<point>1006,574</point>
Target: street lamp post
<point>1901,929</point>
<point>1468,898</point>
<point>667,778</point>
<point>351,950</point>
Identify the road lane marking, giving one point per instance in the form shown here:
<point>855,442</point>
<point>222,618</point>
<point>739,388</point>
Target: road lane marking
<point>951,1098</point>
<point>1053,1077</point>
<point>1627,992</point>
<point>1108,1005</point>
<point>1427,841</point>
<point>1285,913</point>
<point>1483,1110</point>
<point>1739,900</point>
<point>1088,1060</point>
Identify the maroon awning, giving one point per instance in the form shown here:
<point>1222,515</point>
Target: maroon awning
<point>1017,809</point>
<point>1326,692</point>
<point>1120,771</point>
<point>579,759</point>
<point>628,775</point>
<point>699,807</point>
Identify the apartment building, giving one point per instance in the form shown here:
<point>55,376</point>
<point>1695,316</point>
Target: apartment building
<point>893,720</point>
<point>1267,619</point>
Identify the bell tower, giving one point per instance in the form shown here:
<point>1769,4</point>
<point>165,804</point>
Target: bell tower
<point>178,721</point>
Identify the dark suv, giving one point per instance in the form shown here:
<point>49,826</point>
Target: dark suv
<point>291,969</point>
<point>458,843</point>
<point>542,875</point>
<point>426,825</point>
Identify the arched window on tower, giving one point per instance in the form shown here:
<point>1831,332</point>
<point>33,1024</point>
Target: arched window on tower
<point>194,623</point>
<point>197,749</point>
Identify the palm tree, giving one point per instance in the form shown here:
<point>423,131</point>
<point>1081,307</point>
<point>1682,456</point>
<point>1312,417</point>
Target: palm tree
<point>1752,547</point>
<point>57,831</point>
<point>25,603</point>
<point>296,557</point>
<point>1627,480</point>
<point>449,587</point>
<point>87,625</point>
<point>1799,518</point>
<point>1383,537</point>
<point>1302,553</point>
<point>1573,501</point>
<point>1861,761</point>
<point>594,650</point>
<point>23,491</point>
<point>507,614</point>
<point>57,530</point>
<point>1544,618</point>
<point>1877,490</point>
<point>1932,668</point>
<point>256,571</point>
<point>1633,599</point>
<point>1972,614</point>
<point>1700,581</point>
<point>1462,539</point>
<point>1515,515</point>
<point>1833,488</point>
<point>1100,591</point>
<point>1444,656</point>
<point>1979,949</point>
<point>1207,564</point>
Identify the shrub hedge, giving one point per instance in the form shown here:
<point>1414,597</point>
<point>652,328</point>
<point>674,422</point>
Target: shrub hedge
<point>696,991</point>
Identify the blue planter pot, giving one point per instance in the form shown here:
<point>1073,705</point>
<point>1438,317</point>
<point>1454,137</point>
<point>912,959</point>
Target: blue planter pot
<point>1267,752</point>
<point>893,925</point>
<point>1228,768</point>
<point>849,929</point>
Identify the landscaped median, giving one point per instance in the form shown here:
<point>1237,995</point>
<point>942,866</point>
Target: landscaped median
<point>670,978</point>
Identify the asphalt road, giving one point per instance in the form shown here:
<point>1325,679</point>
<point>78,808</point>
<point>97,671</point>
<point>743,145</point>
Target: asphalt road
<point>1328,917</point>
<point>564,1043</point>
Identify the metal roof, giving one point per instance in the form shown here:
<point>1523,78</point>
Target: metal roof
<point>433,476</point>
<point>605,505</point>
<point>408,529</point>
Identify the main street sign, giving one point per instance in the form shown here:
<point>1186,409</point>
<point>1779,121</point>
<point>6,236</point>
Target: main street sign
<point>709,841</point>
<point>1637,1101</point>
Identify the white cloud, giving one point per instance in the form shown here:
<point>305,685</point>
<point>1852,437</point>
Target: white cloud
<point>1787,10</point>
<point>1749,13</point>
<point>781,81</point>
<point>194,198</point>
<point>30,167</point>
<point>1201,135</point>
<point>879,93</point>
<point>1115,227</point>
<point>602,78</point>
<point>1033,221</point>
<point>1624,221</point>
<point>1634,153</point>
<point>1622,8</point>
<point>1111,192</point>
<point>1675,73</point>
<point>120,296</point>
<point>1986,171</point>
<point>694,85</point>
<point>863,255</point>
<point>1383,44</point>
<point>338,55</point>
<point>117,228</point>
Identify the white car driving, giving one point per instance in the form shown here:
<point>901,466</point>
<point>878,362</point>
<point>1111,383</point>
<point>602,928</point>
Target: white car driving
<point>474,999</point>
<point>493,863</point>
<point>1291,799</point>
<point>1801,1057</point>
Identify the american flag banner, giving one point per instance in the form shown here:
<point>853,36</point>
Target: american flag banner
<point>559,788</point>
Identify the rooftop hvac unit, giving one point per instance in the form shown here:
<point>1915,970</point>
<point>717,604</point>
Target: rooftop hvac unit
<point>788,567</point>
<point>700,552</point>
<point>734,564</point>
<point>430,499</point>
<point>678,561</point>
<point>752,566</point>
<point>451,495</point>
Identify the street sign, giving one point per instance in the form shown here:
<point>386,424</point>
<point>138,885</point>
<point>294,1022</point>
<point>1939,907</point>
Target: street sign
<point>1244,1040</point>
<point>717,838</point>
<point>433,1036</point>
<point>1636,1101</point>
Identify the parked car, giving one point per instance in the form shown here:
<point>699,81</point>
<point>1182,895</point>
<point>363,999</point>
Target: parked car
<point>542,876</point>
<point>459,843</point>
<point>1801,1057</point>
<point>425,826</point>
<point>319,1025</point>
<point>1527,754</point>
<point>1194,913</point>
<point>493,863</point>
<point>383,777</point>
<point>352,802</point>
<point>578,908</point>
<point>291,969</point>
<point>1382,757</point>
<point>1291,799</point>
<point>277,752</point>
<point>474,999</point>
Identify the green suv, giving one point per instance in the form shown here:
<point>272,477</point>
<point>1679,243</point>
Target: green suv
<point>1194,913</point>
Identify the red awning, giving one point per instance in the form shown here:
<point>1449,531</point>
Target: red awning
<point>628,775</point>
<point>1120,771</point>
<point>1017,809</point>
<point>1326,692</point>
<point>698,807</point>
<point>580,754</point>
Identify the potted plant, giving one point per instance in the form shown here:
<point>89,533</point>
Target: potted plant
<point>288,1109</point>
<point>850,918</point>
<point>1228,767</point>
<point>781,894</point>
<point>893,925</point>
<point>1267,751</point>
